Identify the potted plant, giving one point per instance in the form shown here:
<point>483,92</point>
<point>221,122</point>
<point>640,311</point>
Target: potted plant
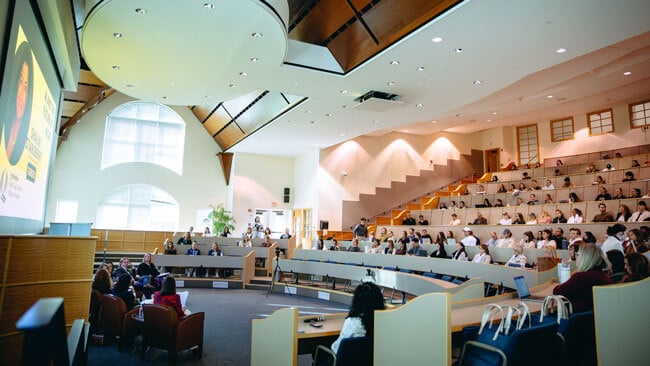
<point>220,218</point>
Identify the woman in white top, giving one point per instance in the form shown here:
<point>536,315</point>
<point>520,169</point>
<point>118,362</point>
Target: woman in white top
<point>459,254</point>
<point>518,259</point>
<point>528,241</point>
<point>455,221</point>
<point>546,241</point>
<point>375,248</point>
<point>206,232</point>
<point>361,318</point>
<point>532,219</point>
<point>505,219</point>
<point>390,247</point>
<point>246,242</point>
<point>576,217</point>
<point>483,255</point>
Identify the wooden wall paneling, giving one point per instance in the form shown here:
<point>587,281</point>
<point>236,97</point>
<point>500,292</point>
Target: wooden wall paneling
<point>114,235</point>
<point>229,136</point>
<point>359,4</point>
<point>133,236</point>
<point>68,108</point>
<point>322,21</point>
<point>130,246</point>
<point>12,345</point>
<point>203,111</point>
<point>155,236</point>
<point>83,93</point>
<point>352,46</point>
<point>113,246</point>
<point>87,77</point>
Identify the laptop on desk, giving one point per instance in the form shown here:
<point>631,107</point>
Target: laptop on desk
<point>524,292</point>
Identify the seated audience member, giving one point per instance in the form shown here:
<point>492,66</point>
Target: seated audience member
<point>618,194</point>
<point>495,179</point>
<point>548,199</point>
<point>245,242</point>
<point>168,297</point>
<point>592,267</point>
<point>422,221</point>
<point>618,155</point>
<point>637,244</point>
<point>286,234</point>
<point>401,248</point>
<point>525,175</point>
<point>442,206</point>
<point>459,254</point>
<point>636,265</point>
<point>215,251</point>
<point>441,238</point>
<point>532,219</point>
<point>603,195</point>
<point>487,203</point>
<point>355,246</point>
<point>547,242</point>
<point>123,268</point>
<point>461,204</point>
<point>185,240</point>
<point>452,205</point>
<point>335,245</point>
<point>573,197</point>
<point>557,172</point>
<point>604,215</point>
<point>615,237</point>
<point>390,247</point>
<point>592,168</point>
<point>480,189</point>
<point>538,165</point>
<point>507,241</point>
<point>518,259</point>
<point>404,239</point>
<point>519,219</point>
<point>426,237</point>
<point>559,217</point>
<point>411,235</point>
<point>588,237</point>
<point>599,180</point>
<point>206,232</point>
<point>534,186</point>
<point>416,250</point>
<point>408,220</point>
<point>548,185</point>
<point>641,213</point>
<point>568,183</point>
<point>624,213</point>
<point>505,219</point>
<point>558,162</point>
<point>226,232</point>
<point>123,290</point>
<point>532,199</point>
<point>469,239</point>
<point>483,255</point>
<point>617,260</point>
<point>635,193</point>
<point>194,250</point>
<point>560,240</point>
<point>383,235</point>
<point>609,167</point>
<point>455,221</point>
<point>522,187</point>
<point>267,242</point>
<point>169,247</point>
<point>494,239</point>
<point>629,177</point>
<point>102,281</point>
<point>480,220</point>
<point>499,203</point>
<point>371,236</point>
<point>502,188</point>
<point>635,164</point>
<point>544,218</point>
<point>146,275</point>
<point>439,250</point>
<point>249,231</point>
<point>528,240</point>
<point>361,319</point>
<point>375,248</point>
<point>513,188</point>
<point>576,217</point>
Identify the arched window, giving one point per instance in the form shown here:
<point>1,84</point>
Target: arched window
<point>144,132</point>
<point>138,207</point>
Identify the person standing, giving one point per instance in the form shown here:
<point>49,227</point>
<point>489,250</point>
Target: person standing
<point>361,230</point>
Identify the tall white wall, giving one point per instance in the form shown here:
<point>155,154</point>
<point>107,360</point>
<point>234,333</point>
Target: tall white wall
<point>258,182</point>
<point>77,175</point>
<point>306,183</point>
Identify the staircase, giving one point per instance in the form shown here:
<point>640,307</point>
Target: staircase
<point>400,195</point>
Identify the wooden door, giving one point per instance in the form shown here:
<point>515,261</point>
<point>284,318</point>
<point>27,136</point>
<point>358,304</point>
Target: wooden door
<point>492,160</point>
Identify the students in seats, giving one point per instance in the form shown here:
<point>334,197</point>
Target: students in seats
<point>245,242</point>
<point>548,199</point>
<point>507,241</point>
<point>226,232</point>
<point>355,246</point>
<point>123,290</point>
<point>249,231</point>
<point>617,260</point>
<point>575,234</point>
<point>512,188</point>
<point>416,249</point>
<point>637,243</point>
<point>635,193</point>
<point>618,194</point>
<point>480,220</point>
<point>376,247</point>
<point>545,218</point>
<point>336,246</point>
<point>604,215</point>
<point>560,240</point>
<point>102,281</point>
<point>592,168</point>
<point>636,266</point>
<point>186,239</point>
<point>499,203</point>
<point>286,234</point>
<point>576,217</point>
<point>528,240</point>
<point>439,250</point>
<point>441,238</point>
<point>518,259</point>
<point>519,219</point>
<point>169,247</point>
<point>215,251</point>
<point>494,240</point>
<point>502,188</point>
<point>603,195</point>
<point>546,242</point>
<point>390,247</point>
<point>459,254</point>
<point>641,213</point>
<point>408,220</point>
<point>599,180</point>
<point>267,232</point>
<point>168,297</point>
<point>404,239</point>
<point>426,236</point>
<point>442,206</point>
<point>487,203</point>
<point>454,221</point>
<point>559,217</point>
<point>401,248</point>
<point>146,275</point>
<point>609,167</point>
<point>588,237</point>
<point>591,271</point>
<point>615,237</point>
<point>573,197</point>
<point>534,186</point>
<point>568,183</point>
<point>522,187</point>
<point>635,164</point>
<point>383,235</point>
<point>461,204</point>
<point>624,213</point>
<point>505,219</point>
<point>548,185</point>
<point>469,239</point>
<point>480,189</point>
<point>452,205</point>
<point>532,219</point>
<point>206,232</point>
<point>483,255</point>
<point>361,319</point>
<point>629,177</point>
<point>320,244</point>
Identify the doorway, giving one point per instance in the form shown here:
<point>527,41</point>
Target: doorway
<point>492,160</point>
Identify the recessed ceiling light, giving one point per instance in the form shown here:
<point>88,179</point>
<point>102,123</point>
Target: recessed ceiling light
<point>208,6</point>
<point>129,85</point>
<point>344,106</point>
<point>254,59</point>
<point>375,121</point>
<point>328,114</point>
<point>296,83</point>
<point>549,96</point>
<point>243,73</point>
<point>436,39</point>
<point>231,85</point>
<point>172,83</point>
<point>117,35</point>
<point>164,97</point>
<point>116,67</point>
<point>458,50</point>
<point>419,105</point>
<point>312,122</point>
<point>390,83</point>
<point>495,113</point>
<point>394,62</point>
<point>343,91</point>
<point>478,82</point>
<point>434,121</point>
<point>257,35</point>
<point>560,50</point>
<point>141,11</point>
<point>627,73</point>
<point>489,120</point>
<point>421,68</point>
<point>206,96</point>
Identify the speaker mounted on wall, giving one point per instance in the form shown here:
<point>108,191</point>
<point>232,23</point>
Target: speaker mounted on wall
<point>287,195</point>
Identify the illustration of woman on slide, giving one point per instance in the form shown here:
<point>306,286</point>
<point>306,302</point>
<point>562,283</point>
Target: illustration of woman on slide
<point>16,124</point>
